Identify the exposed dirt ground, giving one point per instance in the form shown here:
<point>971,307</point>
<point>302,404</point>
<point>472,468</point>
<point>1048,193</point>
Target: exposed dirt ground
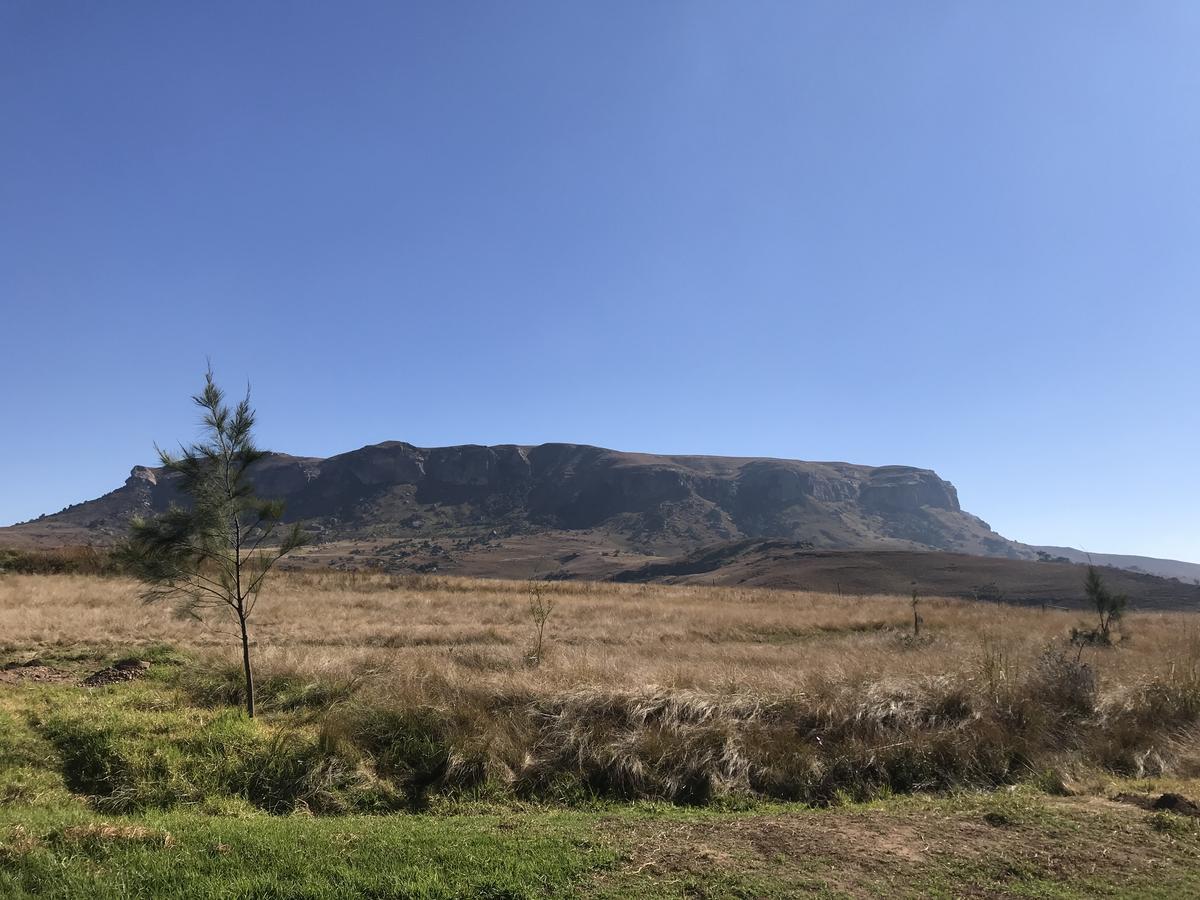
<point>985,846</point>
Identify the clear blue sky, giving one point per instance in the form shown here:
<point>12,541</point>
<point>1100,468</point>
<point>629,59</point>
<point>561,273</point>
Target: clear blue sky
<point>956,235</point>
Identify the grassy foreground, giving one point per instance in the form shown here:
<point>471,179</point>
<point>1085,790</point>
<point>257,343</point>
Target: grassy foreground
<point>136,789</point>
<point>671,743</point>
<point>1022,845</point>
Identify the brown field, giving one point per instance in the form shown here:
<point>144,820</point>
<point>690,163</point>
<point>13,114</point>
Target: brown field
<point>620,636</point>
<point>681,692</point>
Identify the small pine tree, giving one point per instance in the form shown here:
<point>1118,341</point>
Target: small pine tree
<point>541,605</point>
<point>217,552</point>
<point>1109,606</point>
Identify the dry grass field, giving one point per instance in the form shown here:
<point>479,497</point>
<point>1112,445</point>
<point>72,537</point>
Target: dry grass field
<point>740,689</point>
<point>627,637</point>
<point>672,741</point>
<point>468,632</point>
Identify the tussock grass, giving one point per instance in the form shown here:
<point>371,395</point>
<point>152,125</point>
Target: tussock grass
<point>277,690</point>
<point>128,756</point>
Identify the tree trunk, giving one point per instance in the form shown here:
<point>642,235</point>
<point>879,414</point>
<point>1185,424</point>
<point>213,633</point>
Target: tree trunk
<point>247,671</point>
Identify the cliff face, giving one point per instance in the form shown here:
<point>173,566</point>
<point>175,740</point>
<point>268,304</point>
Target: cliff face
<point>655,503</point>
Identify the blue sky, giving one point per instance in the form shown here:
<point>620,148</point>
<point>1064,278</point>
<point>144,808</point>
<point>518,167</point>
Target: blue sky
<point>955,235</point>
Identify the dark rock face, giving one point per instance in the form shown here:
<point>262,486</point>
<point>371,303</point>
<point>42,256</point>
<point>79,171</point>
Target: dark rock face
<point>139,476</point>
<point>669,502</point>
<point>471,472</point>
<point>779,483</point>
<point>378,464</point>
<point>896,488</point>
<point>284,475</point>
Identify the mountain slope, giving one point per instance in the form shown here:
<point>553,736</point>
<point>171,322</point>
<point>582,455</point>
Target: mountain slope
<point>640,503</point>
<point>1164,568</point>
<point>787,565</point>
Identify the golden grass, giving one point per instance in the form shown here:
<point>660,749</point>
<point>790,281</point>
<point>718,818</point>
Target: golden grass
<point>683,693</point>
<point>617,636</point>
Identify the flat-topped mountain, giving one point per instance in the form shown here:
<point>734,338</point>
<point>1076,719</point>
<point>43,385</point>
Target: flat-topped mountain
<point>638,502</point>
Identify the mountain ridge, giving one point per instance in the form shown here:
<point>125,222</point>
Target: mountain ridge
<point>567,510</point>
<point>658,503</point>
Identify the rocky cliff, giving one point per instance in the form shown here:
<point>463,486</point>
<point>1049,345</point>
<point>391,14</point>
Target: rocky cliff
<point>645,503</point>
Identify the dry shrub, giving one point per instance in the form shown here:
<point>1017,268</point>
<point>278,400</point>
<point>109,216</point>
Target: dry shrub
<point>691,747</point>
<point>1149,729</point>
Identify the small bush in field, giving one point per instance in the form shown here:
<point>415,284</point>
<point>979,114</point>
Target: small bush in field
<point>217,553</point>
<point>1109,607</point>
<point>85,560</point>
<point>1064,684</point>
<point>409,748</point>
<point>541,605</point>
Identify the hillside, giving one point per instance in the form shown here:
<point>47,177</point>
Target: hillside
<point>781,564</point>
<point>401,498</point>
<point>1164,568</point>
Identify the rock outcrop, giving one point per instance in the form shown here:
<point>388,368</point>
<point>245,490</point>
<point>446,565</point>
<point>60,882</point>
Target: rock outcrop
<point>659,504</point>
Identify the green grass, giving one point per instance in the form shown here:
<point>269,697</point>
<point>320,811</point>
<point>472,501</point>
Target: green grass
<point>154,789</point>
<point>293,857</point>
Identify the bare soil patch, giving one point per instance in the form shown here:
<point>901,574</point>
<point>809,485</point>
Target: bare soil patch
<point>125,670</point>
<point>1168,802</point>
<point>863,852</point>
<point>33,670</point>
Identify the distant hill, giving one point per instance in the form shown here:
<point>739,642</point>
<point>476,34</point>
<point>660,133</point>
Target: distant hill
<point>630,502</point>
<point>1165,568</point>
<point>781,564</point>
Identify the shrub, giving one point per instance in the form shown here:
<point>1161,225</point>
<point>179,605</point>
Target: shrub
<point>82,560</point>
<point>92,761</point>
<point>1110,607</point>
<point>1063,684</point>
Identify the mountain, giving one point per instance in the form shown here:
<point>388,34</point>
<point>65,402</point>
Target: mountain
<point>576,511</point>
<point>397,503</point>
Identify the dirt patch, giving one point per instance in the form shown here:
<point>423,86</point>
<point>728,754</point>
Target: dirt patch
<point>125,670</point>
<point>32,670</point>
<point>838,851</point>
<point>865,853</point>
<point>1176,803</point>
